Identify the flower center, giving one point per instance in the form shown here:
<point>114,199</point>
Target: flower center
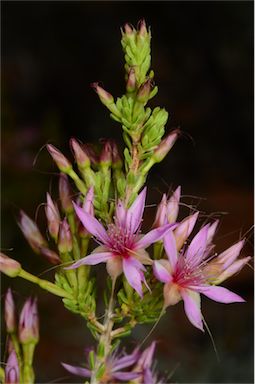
<point>120,240</point>
<point>186,275</point>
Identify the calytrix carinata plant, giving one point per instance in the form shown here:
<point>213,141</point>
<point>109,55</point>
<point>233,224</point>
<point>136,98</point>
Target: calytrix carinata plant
<point>99,220</point>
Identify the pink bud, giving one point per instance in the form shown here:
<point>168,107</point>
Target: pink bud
<point>12,373</point>
<point>63,164</point>
<point>8,266</point>
<point>53,217</point>
<point>50,255</point>
<point>116,158</point>
<point>144,91</point>
<point>31,232</point>
<point>164,147</point>
<point>105,97</point>
<point>65,193</point>
<point>29,323</point>
<point>160,218</point>
<point>9,312</point>
<point>173,206</point>
<point>65,243</point>
<point>106,153</point>
<point>131,81</point>
<point>184,229</point>
<point>88,202</point>
<point>80,155</point>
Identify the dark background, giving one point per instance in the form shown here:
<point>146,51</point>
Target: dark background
<point>202,54</point>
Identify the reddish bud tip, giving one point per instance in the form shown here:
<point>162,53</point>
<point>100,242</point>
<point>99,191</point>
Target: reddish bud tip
<point>128,28</point>
<point>106,153</point>
<point>144,91</point>
<point>9,312</point>
<point>65,193</point>
<point>50,255</point>
<point>131,81</point>
<point>142,30</point>
<point>61,161</point>
<point>80,155</point>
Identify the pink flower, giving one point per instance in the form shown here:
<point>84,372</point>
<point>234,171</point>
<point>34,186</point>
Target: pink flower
<point>113,368</point>
<point>121,245</point>
<point>12,369</point>
<point>192,272</point>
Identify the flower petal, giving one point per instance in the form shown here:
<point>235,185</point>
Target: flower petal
<point>121,213</point>
<point>173,205</point>
<point>229,255</point>
<point>170,247</point>
<point>92,225</point>
<point>133,275</point>
<point>79,371</point>
<point>211,231</point>
<point>135,212</point>
<point>161,273</point>
<point>93,259</point>
<point>220,294</point>
<point>192,307</point>
<point>184,229</point>
<point>195,252</point>
<point>126,361</point>
<point>153,236</point>
<point>232,269</point>
<point>126,376</point>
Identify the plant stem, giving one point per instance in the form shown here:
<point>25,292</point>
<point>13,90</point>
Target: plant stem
<point>105,338</point>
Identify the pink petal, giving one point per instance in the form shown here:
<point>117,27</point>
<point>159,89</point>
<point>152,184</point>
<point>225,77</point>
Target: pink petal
<point>211,231</point>
<point>135,212</point>
<point>126,376</point>
<point>79,371</point>
<point>173,205</point>
<point>126,361</point>
<point>92,225</point>
<point>161,273</point>
<point>192,307</point>
<point>133,275</point>
<point>232,269</point>
<point>170,247</point>
<point>197,247</point>
<point>220,294</point>
<point>88,202</point>
<point>228,257</point>
<point>93,259</point>
<point>153,236</point>
<point>120,214</point>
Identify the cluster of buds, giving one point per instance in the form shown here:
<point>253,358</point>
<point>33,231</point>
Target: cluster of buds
<point>23,335</point>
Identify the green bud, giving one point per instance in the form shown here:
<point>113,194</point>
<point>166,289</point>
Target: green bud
<point>8,266</point>
<point>61,161</point>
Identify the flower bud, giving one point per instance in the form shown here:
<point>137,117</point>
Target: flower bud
<point>105,158</point>
<point>65,193</point>
<point>9,312</point>
<point>128,29</point>
<point>173,206</point>
<point>142,30</point>
<point>29,323</point>
<point>12,373</point>
<point>31,232</point>
<point>184,229</point>
<point>160,218</point>
<point>131,81</point>
<point>61,161</point>
<point>116,158</point>
<point>65,243</point>
<point>8,266</point>
<point>53,217</point>
<point>144,91</point>
<point>105,97</point>
<point>164,147</point>
<point>80,155</point>
<point>50,255</point>
<point>88,202</point>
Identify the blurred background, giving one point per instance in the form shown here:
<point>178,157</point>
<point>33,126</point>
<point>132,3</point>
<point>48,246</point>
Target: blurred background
<point>202,55</point>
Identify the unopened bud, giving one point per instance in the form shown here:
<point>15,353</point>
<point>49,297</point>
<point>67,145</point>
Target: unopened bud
<point>128,29</point>
<point>164,147</point>
<point>105,97</point>
<point>106,154</point>
<point>131,81</point>
<point>8,266</point>
<point>80,155</point>
<point>12,374</point>
<point>61,161</point>
<point>142,30</point>
<point>29,323</point>
<point>31,232</point>
<point>65,193</point>
<point>184,229</point>
<point>65,243</point>
<point>50,255</point>
<point>116,158</point>
<point>160,218</point>
<point>173,206</point>
<point>9,312</point>
<point>144,91</point>
<point>53,217</point>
